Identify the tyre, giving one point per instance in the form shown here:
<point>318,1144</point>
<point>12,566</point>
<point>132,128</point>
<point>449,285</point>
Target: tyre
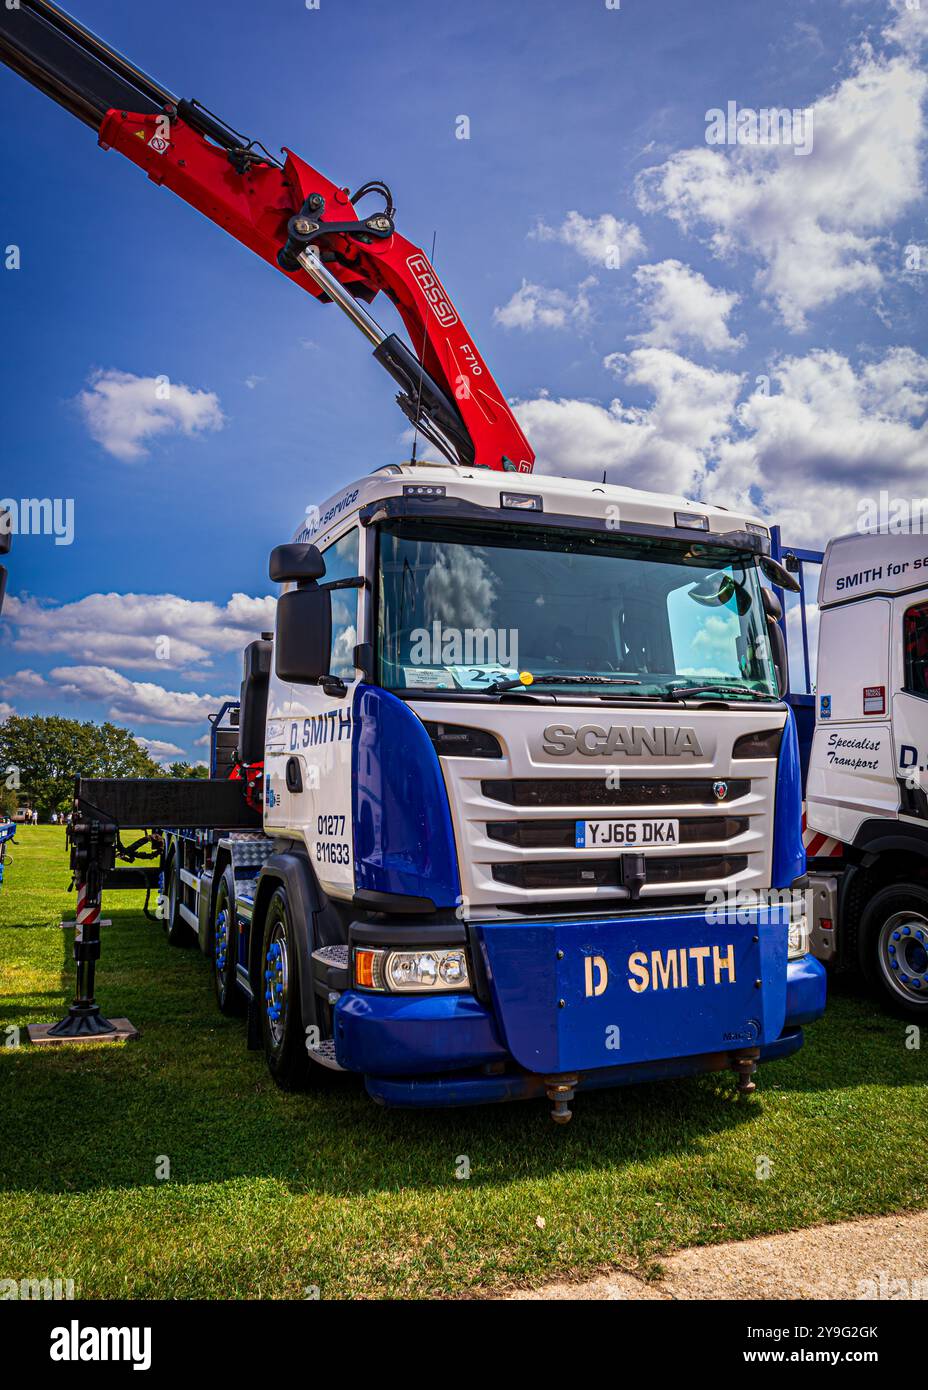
<point>279,999</point>
<point>178,933</point>
<point>893,948</point>
<point>224,947</point>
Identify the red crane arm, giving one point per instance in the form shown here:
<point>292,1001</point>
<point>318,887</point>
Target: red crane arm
<point>292,216</point>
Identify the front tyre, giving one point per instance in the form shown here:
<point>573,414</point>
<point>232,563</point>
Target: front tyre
<point>893,948</point>
<point>279,999</point>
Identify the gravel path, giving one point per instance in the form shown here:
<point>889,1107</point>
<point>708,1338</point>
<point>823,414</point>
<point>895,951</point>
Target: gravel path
<point>885,1257</point>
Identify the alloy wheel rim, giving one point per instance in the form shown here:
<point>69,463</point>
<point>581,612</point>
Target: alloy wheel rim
<point>276,983</point>
<point>903,955</point>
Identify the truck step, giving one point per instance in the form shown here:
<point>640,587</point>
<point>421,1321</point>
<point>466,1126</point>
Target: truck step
<point>331,968</point>
<point>324,1054</point>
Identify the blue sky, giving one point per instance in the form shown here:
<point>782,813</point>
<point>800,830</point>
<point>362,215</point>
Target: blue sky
<point>736,265</point>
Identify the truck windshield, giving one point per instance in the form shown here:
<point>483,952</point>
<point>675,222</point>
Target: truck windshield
<point>462,607</point>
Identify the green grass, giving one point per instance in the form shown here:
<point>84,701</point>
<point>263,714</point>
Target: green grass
<point>270,1193</point>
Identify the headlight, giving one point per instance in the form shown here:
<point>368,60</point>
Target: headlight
<point>431,970</point>
<point>798,933</point>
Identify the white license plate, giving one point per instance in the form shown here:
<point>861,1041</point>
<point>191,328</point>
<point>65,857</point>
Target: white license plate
<point>623,834</point>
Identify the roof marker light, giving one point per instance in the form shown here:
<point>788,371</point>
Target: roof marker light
<point>424,490</point>
<point>691,521</point>
<point>521,501</point>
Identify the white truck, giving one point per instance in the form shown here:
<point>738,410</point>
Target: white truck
<point>866,802</point>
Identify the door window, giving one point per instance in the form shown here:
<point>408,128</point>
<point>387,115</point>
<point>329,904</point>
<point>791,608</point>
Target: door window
<point>341,562</point>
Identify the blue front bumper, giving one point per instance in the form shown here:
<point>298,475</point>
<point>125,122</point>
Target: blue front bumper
<point>453,1049</point>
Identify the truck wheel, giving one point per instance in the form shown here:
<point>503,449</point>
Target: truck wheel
<point>224,947</point>
<point>893,947</point>
<point>280,1007</point>
<point>178,933</point>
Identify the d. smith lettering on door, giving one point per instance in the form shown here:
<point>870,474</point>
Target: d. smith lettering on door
<point>683,967</point>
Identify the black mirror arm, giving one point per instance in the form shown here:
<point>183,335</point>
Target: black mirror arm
<point>356,583</point>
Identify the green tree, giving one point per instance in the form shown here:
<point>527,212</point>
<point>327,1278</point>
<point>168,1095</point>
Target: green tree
<point>187,770</point>
<point>44,753</point>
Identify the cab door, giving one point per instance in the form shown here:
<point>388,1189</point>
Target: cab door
<point>317,763</point>
<point>910,706</point>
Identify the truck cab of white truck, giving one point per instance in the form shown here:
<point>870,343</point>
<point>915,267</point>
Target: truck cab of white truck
<point>531,796</point>
<point>867,779</point>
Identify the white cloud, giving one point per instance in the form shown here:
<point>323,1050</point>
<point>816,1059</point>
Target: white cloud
<point>123,411</point>
<point>909,29</point>
<point>604,241</point>
<point>682,307</point>
<point>162,752</point>
<point>816,224</point>
<point>534,306</point>
<point>127,700</point>
<point>139,630</point>
<point>124,700</point>
<point>829,436</point>
<point>664,447</point>
<point>5,710</point>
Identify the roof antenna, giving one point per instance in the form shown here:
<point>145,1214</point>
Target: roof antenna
<point>604,475</point>
<point>415,428</point>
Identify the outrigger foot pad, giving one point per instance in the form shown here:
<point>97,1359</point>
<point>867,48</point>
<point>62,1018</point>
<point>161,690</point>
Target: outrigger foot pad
<point>560,1090</point>
<point>82,1023</point>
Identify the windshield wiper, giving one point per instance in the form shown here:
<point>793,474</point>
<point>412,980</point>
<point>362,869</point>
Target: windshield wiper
<point>553,679</point>
<point>682,692</point>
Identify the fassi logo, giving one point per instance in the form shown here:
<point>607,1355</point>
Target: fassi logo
<point>439,302</point>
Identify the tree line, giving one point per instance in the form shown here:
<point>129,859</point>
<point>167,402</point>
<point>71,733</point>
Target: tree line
<point>40,755</point>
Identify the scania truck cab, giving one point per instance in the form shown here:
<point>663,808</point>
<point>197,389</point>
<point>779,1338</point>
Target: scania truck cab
<point>867,807</point>
<point>531,797</point>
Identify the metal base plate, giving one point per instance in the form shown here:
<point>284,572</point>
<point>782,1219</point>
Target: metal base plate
<point>123,1031</point>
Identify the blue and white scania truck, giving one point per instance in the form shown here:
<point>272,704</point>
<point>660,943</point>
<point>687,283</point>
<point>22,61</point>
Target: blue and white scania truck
<point>531,814</point>
<point>531,810</point>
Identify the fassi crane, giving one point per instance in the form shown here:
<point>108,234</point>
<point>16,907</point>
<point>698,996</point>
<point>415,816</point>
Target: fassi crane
<point>289,214</point>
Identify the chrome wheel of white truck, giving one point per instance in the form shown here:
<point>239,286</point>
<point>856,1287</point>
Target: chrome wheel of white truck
<point>894,946</point>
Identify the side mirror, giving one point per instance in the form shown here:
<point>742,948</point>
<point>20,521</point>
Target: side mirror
<point>292,563</point>
<point>6,535</point>
<point>774,571</point>
<point>774,612</point>
<point>303,649</point>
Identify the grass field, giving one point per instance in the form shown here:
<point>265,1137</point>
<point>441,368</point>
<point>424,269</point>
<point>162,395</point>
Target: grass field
<point>272,1194</point>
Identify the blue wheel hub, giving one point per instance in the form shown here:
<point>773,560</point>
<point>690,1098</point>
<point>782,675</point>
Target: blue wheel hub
<point>222,940</point>
<point>904,955</point>
<point>276,980</point>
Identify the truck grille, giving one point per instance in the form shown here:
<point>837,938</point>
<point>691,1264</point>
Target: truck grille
<point>595,791</point>
<point>607,873</point>
<point>515,819</point>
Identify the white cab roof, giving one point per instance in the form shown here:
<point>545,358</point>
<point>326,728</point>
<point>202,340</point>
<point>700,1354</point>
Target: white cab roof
<point>561,496</point>
<point>859,566</point>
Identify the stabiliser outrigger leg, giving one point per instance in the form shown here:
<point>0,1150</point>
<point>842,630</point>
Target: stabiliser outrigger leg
<point>93,845</point>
